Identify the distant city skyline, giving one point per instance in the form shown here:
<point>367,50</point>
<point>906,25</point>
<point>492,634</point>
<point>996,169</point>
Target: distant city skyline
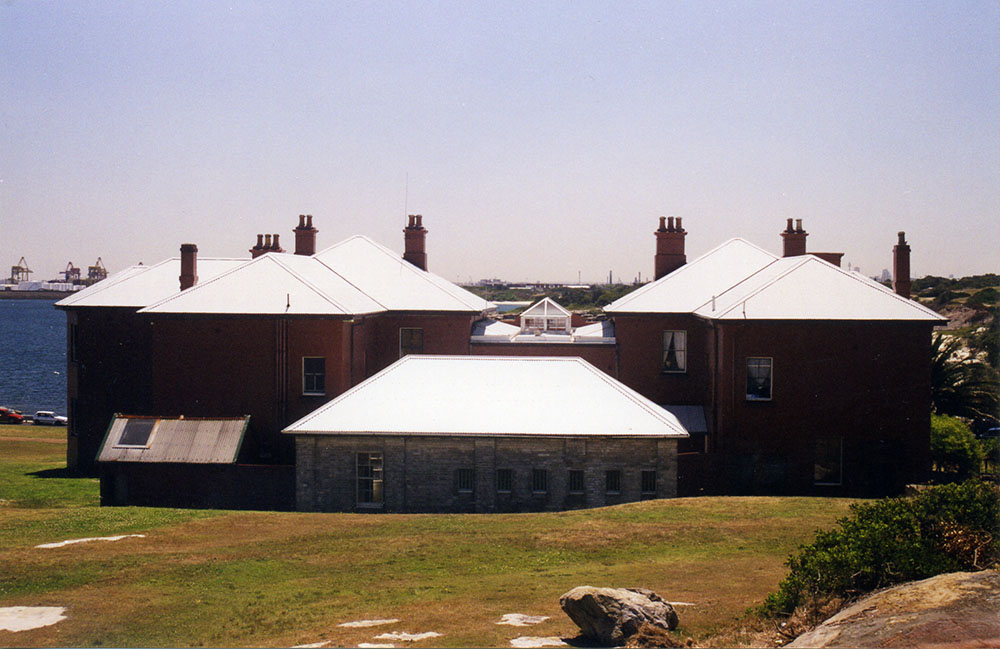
<point>540,140</point>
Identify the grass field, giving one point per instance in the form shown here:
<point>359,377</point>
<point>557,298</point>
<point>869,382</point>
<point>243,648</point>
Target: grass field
<point>217,578</point>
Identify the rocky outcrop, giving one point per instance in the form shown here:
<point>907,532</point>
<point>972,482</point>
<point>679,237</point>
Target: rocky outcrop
<point>960,609</point>
<point>611,615</point>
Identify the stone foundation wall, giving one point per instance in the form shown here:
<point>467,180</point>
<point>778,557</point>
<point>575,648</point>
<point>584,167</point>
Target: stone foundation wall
<point>420,472</point>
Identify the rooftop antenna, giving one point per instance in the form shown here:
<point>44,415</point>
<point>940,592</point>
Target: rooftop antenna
<point>406,195</point>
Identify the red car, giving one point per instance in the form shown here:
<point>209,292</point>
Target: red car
<point>8,416</point>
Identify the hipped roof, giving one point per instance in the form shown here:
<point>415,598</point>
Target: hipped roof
<point>354,277</point>
<point>739,281</point>
<point>491,396</point>
<point>139,286</point>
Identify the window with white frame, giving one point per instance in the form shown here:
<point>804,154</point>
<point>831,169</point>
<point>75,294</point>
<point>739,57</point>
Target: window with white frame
<point>314,375</point>
<point>759,378</point>
<point>369,479</point>
<point>674,351</point>
<point>411,341</point>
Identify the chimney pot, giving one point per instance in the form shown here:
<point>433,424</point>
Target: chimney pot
<point>189,265</point>
<point>678,222</point>
<point>309,220</point>
<point>670,224</point>
<point>420,221</point>
<point>788,226</point>
<point>302,220</point>
<point>663,224</point>
<point>798,225</point>
<point>276,246</point>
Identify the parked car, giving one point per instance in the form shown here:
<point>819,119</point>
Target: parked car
<point>10,416</point>
<point>48,418</point>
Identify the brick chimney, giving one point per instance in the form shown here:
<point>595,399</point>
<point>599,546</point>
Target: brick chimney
<point>305,236</point>
<point>189,265</point>
<point>901,267</point>
<point>794,239</point>
<point>414,238</point>
<point>669,246</point>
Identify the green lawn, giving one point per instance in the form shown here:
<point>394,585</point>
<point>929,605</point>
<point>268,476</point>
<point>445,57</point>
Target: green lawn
<point>219,578</point>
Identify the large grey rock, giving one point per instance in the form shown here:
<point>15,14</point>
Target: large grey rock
<point>610,615</point>
<point>960,609</point>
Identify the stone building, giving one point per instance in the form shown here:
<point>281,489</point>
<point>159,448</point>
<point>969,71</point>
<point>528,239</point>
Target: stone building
<point>485,434</point>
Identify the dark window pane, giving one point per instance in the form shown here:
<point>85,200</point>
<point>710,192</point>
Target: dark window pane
<point>505,480</point>
<point>613,481</point>
<point>137,432</point>
<point>576,482</point>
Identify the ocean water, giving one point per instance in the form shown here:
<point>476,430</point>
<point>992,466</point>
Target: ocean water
<point>32,356</point>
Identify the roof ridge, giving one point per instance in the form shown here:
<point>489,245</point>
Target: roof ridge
<point>760,288</point>
<point>626,299</point>
<point>201,284</point>
<point>312,286</point>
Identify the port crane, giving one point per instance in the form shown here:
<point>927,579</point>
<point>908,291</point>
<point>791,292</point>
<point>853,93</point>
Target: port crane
<point>72,273</point>
<point>20,272</point>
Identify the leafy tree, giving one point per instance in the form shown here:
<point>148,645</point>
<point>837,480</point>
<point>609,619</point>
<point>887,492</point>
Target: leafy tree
<point>962,385</point>
<point>956,453</point>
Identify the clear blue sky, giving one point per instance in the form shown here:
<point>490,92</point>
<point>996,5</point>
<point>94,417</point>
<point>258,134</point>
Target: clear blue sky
<point>538,139</point>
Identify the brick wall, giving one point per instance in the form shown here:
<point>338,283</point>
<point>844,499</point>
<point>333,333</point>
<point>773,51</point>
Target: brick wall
<point>419,472</point>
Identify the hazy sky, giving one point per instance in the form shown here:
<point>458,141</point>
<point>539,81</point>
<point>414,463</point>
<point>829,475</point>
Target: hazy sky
<point>539,140</point>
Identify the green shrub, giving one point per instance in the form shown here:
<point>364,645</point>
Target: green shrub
<point>985,296</point>
<point>955,452</point>
<point>889,541</point>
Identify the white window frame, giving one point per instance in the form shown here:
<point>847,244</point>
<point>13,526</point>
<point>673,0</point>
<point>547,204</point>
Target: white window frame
<point>149,438</point>
<point>770,387</point>
<point>380,480</point>
<point>305,390</point>
<point>681,353</point>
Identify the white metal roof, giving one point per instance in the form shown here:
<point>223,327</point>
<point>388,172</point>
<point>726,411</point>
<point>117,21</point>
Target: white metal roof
<point>494,329</point>
<point>546,307</point>
<point>688,287</point>
<point>491,396</point>
<point>738,281</point>
<point>394,282</point>
<point>272,284</point>
<point>139,286</point>
<point>809,288</point>
<point>596,332</point>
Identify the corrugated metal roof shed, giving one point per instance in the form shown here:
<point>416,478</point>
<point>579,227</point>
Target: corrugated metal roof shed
<point>491,396</point>
<point>139,286</point>
<point>163,440</point>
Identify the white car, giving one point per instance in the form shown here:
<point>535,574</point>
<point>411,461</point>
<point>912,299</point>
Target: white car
<point>48,418</point>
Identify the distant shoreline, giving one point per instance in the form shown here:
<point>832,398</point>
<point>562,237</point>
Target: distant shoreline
<point>34,295</point>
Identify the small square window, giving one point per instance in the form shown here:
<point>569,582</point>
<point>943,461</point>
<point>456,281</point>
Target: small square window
<point>674,351</point>
<point>138,433</point>
<point>505,480</point>
<point>576,486</point>
<point>648,483</point>
<point>613,481</point>
<point>465,480</point>
<point>759,379</point>
<point>314,375</point>
<point>539,481</point>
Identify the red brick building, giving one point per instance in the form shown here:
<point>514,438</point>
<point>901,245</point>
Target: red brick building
<point>791,374</point>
